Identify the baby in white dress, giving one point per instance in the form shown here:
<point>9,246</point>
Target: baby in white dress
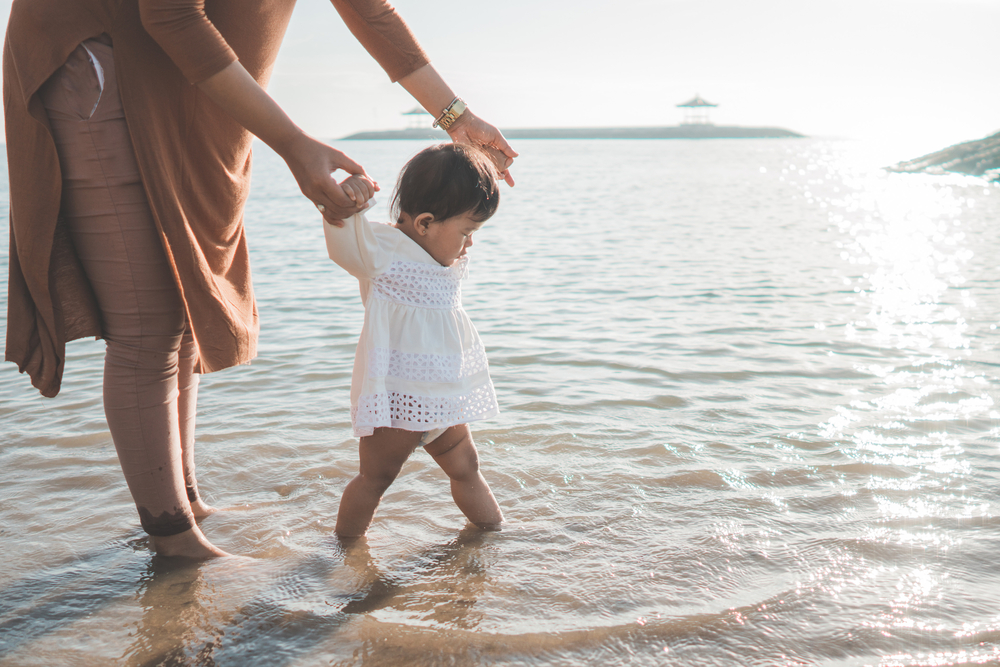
<point>420,371</point>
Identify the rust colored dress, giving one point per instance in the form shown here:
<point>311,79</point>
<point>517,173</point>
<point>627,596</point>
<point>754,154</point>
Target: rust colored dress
<point>193,157</point>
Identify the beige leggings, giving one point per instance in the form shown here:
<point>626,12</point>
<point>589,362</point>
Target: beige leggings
<point>150,389</point>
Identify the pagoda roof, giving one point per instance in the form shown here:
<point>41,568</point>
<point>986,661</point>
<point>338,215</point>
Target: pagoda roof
<point>697,101</point>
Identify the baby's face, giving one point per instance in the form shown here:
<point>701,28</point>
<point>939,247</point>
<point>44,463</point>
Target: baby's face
<point>450,239</point>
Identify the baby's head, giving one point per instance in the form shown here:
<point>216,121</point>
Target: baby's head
<point>443,195</point>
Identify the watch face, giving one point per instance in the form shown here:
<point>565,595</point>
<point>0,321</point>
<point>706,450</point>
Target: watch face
<point>450,114</point>
<point>456,109</point>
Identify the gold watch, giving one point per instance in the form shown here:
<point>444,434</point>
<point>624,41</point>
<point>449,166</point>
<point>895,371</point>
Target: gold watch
<point>450,114</point>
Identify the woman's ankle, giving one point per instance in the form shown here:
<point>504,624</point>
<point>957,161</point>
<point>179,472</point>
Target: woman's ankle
<point>189,544</point>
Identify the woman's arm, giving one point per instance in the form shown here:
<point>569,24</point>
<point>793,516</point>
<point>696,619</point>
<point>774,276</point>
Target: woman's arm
<point>380,29</point>
<point>184,31</point>
<point>434,95</point>
<point>311,162</point>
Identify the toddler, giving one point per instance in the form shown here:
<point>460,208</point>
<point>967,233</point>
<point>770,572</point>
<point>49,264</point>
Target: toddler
<point>420,370</point>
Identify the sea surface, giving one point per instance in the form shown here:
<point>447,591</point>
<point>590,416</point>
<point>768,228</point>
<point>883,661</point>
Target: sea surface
<point>749,394</point>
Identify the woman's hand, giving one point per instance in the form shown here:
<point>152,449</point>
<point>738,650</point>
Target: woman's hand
<point>471,129</point>
<point>312,163</point>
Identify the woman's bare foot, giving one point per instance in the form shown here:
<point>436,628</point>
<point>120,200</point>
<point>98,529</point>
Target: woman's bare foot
<point>189,544</point>
<point>201,510</point>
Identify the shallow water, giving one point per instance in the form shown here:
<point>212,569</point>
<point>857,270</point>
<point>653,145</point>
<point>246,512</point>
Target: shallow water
<point>749,416</point>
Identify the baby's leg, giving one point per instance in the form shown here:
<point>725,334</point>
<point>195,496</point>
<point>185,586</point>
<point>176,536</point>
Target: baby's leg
<point>382,457</point>
<point>455,452</point>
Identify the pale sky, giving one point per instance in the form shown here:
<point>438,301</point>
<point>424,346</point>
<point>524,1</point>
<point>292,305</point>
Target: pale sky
<point>920,70</point>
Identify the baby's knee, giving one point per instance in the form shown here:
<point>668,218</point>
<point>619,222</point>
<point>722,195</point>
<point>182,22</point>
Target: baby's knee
<point>380,480</point>
<point>461,461</point>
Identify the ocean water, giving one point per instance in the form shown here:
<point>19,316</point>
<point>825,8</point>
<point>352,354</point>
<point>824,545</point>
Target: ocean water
<point>749,417</point>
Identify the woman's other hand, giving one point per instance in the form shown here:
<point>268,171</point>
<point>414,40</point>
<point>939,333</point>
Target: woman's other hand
<point>471,129</point>
<point>434,95</point>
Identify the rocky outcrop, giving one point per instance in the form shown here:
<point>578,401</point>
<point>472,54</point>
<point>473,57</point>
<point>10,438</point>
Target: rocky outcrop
<point>976,158</point>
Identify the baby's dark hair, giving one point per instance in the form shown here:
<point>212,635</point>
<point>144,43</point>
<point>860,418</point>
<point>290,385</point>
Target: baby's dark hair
<point>447,180</point>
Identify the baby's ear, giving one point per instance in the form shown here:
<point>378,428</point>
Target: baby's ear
<point>423,222</point>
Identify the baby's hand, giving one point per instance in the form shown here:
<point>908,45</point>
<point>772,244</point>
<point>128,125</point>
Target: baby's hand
<point>359,187</point>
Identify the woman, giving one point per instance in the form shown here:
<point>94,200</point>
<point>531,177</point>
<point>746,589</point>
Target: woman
<point>129,127</point>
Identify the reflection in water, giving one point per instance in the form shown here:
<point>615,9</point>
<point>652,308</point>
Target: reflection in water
<point>177,625</point>
<point>304,605</point>
<point>438,586</point>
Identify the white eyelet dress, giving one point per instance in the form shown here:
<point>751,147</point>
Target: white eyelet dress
<point>420,364</point>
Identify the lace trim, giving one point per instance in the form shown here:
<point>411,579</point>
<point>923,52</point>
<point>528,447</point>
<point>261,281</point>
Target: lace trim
<point>422,412</point>
<point>420,284</point>
<point>416,367</point>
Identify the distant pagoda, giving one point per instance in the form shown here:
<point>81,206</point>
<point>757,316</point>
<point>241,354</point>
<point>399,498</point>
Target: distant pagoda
<point>696,111</point>
<point>416,117</point>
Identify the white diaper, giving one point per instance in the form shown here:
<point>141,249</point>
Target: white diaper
<point>430,436</point>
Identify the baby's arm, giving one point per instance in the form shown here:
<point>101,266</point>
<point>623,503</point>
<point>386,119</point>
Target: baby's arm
<point>354,243</point>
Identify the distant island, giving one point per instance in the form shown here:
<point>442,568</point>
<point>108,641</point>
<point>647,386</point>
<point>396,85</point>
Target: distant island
<point>696,125</point>
<point>975,158</point>
<point>692,131</point>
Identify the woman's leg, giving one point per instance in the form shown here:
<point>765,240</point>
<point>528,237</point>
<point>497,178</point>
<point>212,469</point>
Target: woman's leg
<point>187,408</point>
<point>108,217</point>
<point>456,453</point>
<point>382,456</point>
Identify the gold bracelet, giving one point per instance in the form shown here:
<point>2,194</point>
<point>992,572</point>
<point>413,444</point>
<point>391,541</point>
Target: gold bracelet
<point>450,114</point>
